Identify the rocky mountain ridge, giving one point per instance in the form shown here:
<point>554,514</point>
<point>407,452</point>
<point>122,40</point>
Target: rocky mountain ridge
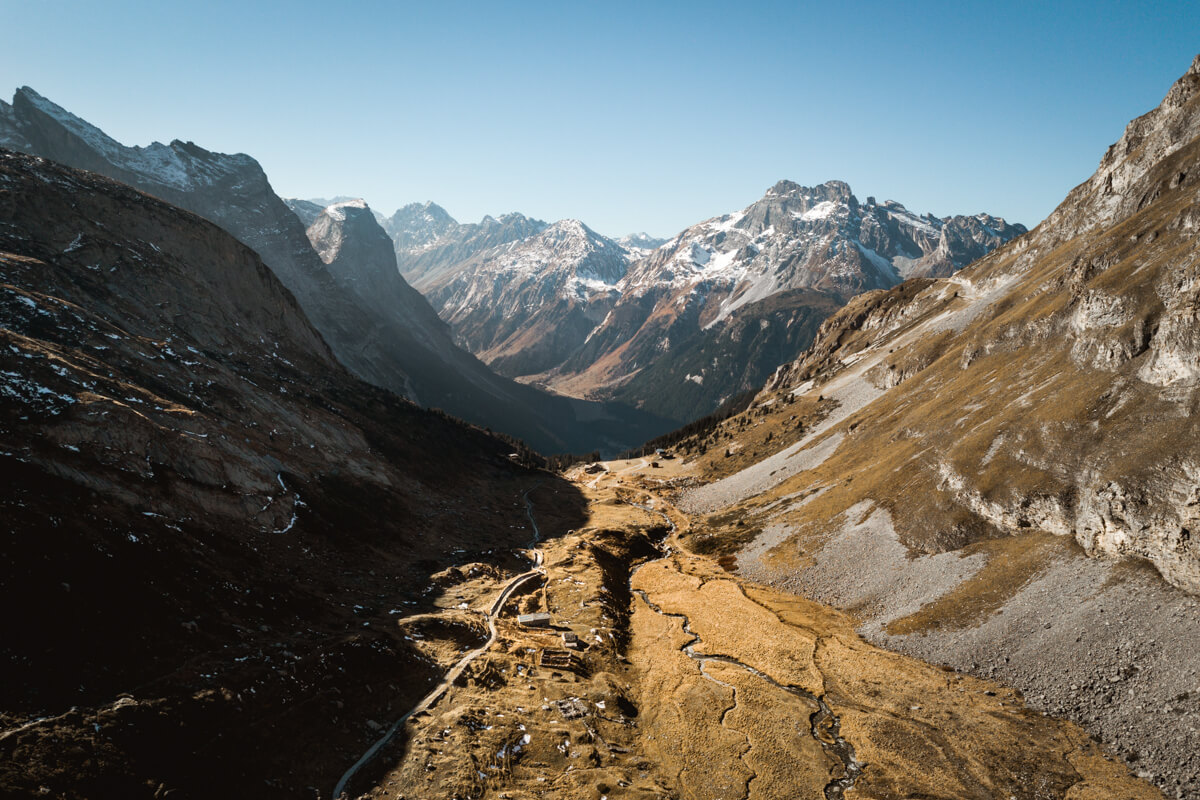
<point>553,288</point>
<point>396,342</point>
<point>801,250</point>
<point>429,241</point>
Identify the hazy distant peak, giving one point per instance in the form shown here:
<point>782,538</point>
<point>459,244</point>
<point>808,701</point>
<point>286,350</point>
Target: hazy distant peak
<point>571,226</point>
<point>641,241</point>
<point>429,211</point>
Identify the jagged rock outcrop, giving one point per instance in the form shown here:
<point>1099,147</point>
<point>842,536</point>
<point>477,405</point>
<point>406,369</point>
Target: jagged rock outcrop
<point>395,342</point>
<point>1119,187</point>
<point>359,255</point>
<point>431,246</point>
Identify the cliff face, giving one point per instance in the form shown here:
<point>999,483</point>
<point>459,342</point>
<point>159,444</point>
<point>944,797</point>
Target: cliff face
<point>358,254</point>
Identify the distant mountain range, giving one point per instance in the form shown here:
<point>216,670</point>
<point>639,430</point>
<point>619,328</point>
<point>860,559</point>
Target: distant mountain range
<point>619,338</point>
<point>673,326</point>
<point>374,322</point>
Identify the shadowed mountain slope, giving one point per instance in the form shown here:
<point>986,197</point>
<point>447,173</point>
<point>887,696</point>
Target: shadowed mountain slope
<point>211,525</point>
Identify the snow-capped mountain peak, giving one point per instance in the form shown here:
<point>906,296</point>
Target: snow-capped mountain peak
<point>580,259</point>
<point>818,237</point>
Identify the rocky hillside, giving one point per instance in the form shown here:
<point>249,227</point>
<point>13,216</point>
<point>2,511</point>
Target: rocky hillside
<point>395,342</point>
<point>211,526</point>
<point>999,470</point>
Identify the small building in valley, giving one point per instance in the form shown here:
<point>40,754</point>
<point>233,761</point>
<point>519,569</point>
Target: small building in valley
<point>533,620</point>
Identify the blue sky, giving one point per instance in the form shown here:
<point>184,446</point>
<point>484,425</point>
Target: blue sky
<point>638,116</point>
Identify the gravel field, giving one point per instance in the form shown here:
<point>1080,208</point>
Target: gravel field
<point>1106,644</point>
<point>758,478</point>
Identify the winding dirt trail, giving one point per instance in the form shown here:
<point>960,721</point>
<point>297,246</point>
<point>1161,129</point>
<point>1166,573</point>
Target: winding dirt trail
<point>435,694</point>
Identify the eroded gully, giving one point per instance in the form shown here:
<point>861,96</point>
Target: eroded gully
<point>824,725</point>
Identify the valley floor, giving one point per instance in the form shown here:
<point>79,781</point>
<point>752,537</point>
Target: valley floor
<point>689,681</point>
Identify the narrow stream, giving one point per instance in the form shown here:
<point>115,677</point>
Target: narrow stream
<point>824,726</point>
<point>537,534</point>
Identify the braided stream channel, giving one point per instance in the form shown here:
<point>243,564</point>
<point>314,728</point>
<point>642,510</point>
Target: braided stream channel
<point>824,725</point>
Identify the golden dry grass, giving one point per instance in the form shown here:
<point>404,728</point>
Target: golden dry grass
<point>657,726</point>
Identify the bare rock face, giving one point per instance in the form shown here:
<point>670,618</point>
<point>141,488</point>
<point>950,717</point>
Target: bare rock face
<point>359,255</point>
<point>1151,518</point>
<point>961,241</point>
<point>1098,327</point>
<point>1119,186</point>
<point>1174,358</point>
